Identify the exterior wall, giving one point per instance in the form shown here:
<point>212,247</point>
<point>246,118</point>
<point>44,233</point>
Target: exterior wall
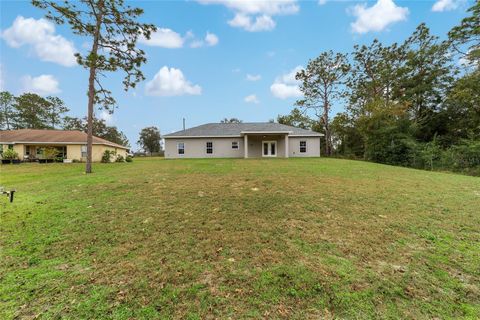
<point>19,148</point>
<point>313,147</point>
<point>74,151</point>
<point>197,148</point>
<point>222,147</point>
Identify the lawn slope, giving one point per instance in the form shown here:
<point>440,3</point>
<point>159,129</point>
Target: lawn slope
<point>277,238</point>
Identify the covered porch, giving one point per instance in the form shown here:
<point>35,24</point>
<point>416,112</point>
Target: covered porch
<point>265,145</point>
<point>44,152</point>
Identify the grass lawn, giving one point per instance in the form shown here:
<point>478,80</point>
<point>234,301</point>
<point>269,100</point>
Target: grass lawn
<point>220,238</point>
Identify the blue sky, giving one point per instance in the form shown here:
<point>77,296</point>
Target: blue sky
<point>242,69</point>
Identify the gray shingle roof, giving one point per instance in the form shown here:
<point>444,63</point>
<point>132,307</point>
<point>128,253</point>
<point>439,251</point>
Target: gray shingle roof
<point>236,129</point>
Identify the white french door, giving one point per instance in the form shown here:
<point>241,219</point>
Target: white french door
<point>269,148</point>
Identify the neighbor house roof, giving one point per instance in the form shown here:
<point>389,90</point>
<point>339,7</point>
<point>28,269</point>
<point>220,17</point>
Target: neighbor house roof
<point>38,136</point>
<point>239,129</point>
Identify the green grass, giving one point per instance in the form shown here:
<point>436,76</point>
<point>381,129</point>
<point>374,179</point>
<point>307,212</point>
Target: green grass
<point>196,239</point>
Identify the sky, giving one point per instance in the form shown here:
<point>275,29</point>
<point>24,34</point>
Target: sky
<point>209,59</point>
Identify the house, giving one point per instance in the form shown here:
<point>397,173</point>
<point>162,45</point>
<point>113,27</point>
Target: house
<point>30,144</point>
<point>242,140</point>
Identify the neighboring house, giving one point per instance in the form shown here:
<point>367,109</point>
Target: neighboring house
<point>30,143</point>
<point>242,140</point>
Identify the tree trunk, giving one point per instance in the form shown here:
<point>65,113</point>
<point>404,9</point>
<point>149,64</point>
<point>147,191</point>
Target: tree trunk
<point>91,90</point>
<point>326,127</point>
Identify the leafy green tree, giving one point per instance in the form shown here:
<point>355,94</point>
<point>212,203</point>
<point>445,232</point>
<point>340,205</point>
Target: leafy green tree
<point>149,139</point>
<point>7,111</point>
<point>425,77</point>
<point>31,112</point>
<point>321,85</point>
<point>100,129</point>
<point>465,38</point>
<point>55,111</point>
<point>231,120</point>
<point>296,118</point>
<point>113,29</point>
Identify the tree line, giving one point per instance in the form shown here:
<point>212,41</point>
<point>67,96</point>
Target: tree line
<point>410,104</point>
<point>31,111</point>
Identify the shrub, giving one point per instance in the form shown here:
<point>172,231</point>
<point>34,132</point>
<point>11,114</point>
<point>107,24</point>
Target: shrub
<point>129,159</point>
<point>120,158</point>
<point>10,154</point>
<point>50,153</point>
<point>107,156</point>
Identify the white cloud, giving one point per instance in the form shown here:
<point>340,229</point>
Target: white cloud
<point>378,16</point>
<point>251,99</point>
<point>286,86</point>
<point>171,82</point>
<point>322,2</point>
<point>256,15</point>
<point>164,38</point>
<point>40,34</point>
<point>43,85</point>
<point>445,5</point>
<point>211,39</point>
<point>261,23</point>
<point>253,77</point>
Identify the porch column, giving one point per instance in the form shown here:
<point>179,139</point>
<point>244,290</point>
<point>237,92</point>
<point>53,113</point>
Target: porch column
<point>245,146</point>
<point>286,146</point>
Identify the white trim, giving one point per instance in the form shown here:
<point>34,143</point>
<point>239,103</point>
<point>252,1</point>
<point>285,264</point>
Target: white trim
<point>178,149</point>
<point>266,132</point>
<point>269,155</point>
<point>306,136</point>
<point>200,137</point>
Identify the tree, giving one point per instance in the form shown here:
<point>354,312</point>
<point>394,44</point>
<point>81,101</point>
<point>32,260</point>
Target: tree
<point>296,119</point>
<point>231,120</point>
<point>73,123</point>
<point>424,80</point>
<point>55,111</point>
<point>113,30</point>
<point>321,84</point>
<point>31,112</point>
<point>7,111</point>
<point>149,139</point>
<point>465,38</point>
<point>100,129</point>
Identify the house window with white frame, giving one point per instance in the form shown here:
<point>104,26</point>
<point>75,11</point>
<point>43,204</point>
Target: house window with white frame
<point>303,146</point>
<point>209,147</point>
<point>181,148</point>
<point>234,144</point>
<point>84,152</point>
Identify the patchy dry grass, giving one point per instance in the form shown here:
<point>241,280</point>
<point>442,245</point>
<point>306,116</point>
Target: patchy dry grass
<point>291,238</point>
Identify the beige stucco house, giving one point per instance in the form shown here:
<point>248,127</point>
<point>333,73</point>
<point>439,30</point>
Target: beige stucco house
<point>71,145</point>
<point>242,140</point>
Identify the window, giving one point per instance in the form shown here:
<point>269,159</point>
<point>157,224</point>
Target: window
<point>181,148</point>
<point>10,146</point>
<point>84,151</point>
<point>234,144</point>
<point>39,151</point>
<point>209,147</point>
<point>1,148</point>
<point>303,146</point>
